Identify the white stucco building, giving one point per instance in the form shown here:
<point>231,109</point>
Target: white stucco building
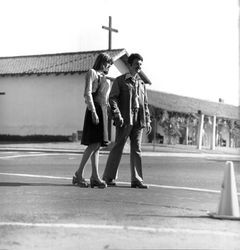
<point>44,96</point>
<point>44,93</point>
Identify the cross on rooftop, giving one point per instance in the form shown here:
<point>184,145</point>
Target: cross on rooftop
<point>110,30</point>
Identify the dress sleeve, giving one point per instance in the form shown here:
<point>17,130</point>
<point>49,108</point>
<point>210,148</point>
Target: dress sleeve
<point>90,87</point>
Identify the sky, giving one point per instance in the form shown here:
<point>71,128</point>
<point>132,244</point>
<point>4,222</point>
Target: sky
<point>190,47</point>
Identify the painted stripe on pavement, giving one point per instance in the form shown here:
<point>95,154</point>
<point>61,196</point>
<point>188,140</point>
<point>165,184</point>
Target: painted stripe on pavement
<point>145,154</point>
<point>191,155</point>
<point>119,182</point>
<point>121,227</point>
<point>37,176</point>
<point>31,154</point>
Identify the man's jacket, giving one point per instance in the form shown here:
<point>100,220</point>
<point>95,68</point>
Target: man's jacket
<point>120,100</point>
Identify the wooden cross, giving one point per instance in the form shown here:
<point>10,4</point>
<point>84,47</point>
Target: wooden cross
<point>110,30</point>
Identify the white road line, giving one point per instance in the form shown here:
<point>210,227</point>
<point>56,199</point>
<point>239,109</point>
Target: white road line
<point>37,176</point>
<point>204,190</point>
<point>33,155</point>
<point>145,154</point>
<point>184,155</point>
<point>186,188</point>
<point>119,182</point>
<point>121,227</point>
<point>7,152</point>
<point>191,155</point>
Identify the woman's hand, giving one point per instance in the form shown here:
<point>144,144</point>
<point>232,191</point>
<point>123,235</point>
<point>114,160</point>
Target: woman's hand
<point>95,118</point>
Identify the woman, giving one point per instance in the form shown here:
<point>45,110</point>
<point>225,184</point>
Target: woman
<point>95,133</point>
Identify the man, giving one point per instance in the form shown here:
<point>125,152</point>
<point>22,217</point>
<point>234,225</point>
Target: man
<point>129,105</point>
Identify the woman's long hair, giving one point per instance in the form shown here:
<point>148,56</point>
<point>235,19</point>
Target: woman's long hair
<point>102,59</point>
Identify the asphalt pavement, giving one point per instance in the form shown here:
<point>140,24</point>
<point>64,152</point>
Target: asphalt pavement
<point>41,209</point>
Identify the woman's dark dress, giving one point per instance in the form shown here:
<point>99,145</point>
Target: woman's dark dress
<point>93,133</point>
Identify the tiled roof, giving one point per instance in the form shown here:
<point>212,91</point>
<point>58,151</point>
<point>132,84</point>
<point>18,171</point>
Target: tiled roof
<point>184,104</point>
<point>53,63</point>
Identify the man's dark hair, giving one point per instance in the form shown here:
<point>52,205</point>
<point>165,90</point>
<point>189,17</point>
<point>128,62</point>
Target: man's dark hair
<point>134,56</point>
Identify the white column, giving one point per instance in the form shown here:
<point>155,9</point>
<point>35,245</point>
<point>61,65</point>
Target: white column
<point>200,132</point>
<point>213,143</point>
<point>186,137</point>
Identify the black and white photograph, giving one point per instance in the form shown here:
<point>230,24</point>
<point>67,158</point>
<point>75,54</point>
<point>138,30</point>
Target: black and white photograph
<point>120,125</point>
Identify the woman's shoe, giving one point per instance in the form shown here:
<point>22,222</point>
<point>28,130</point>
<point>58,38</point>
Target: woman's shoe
<point>79,181</point>
<point>97,183</point>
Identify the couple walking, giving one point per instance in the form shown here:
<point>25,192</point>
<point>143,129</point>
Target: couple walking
<point>129,107</point>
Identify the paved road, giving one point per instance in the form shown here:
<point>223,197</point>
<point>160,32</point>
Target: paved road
<point>40,209</point>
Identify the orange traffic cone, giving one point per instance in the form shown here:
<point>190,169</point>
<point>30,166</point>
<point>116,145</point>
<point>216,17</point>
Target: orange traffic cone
<point>228,206</point>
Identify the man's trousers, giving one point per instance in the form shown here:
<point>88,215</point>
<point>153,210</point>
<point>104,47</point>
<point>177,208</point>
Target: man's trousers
<point>114,158</point>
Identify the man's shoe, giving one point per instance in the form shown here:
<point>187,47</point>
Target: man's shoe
<point>97,183</point>
<point>110,182</point>
<point>138,184</point>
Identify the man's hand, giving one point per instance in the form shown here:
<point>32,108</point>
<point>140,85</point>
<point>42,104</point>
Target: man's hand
<point>148,128</point>
<point>118,120</point>
<point>95,118</point>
